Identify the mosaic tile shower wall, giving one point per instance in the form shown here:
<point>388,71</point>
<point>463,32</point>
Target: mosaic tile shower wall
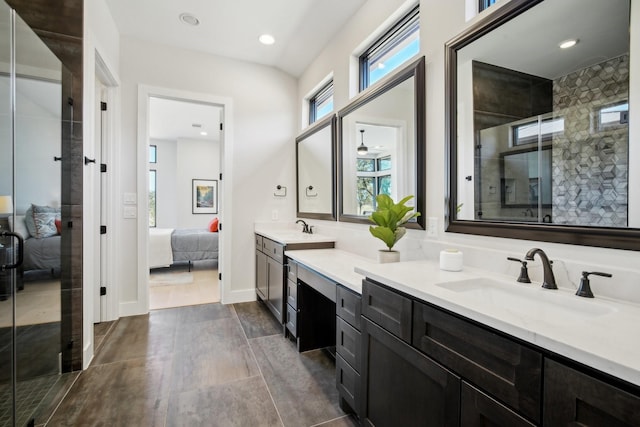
<point>590,160</point>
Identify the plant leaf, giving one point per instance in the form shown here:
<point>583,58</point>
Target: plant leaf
<point>384,234</point>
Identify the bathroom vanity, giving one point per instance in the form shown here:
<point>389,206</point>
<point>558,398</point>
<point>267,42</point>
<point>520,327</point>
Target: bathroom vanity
<point>415,343</point>
<point>270,263</point>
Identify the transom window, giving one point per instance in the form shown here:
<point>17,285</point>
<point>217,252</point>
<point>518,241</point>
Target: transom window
<point>483,4</point>
<point>321,103</point>
<point>394,48</point>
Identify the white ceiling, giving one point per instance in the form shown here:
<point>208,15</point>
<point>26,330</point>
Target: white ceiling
<point>529,43</point>
<point>171,119</point>
<point>231,28</point>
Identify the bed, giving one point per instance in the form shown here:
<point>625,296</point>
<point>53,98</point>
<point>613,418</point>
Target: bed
<point>168,246</point>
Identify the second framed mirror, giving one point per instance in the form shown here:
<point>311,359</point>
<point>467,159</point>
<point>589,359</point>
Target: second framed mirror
<point>381,138</point>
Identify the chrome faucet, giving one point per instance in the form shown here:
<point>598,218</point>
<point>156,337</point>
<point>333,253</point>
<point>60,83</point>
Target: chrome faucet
<point>549,281</point>
<point>306,228</point>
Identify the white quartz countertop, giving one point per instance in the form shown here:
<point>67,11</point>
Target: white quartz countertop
<point>289,236</point>
<point>336,264</point>
<point>598,332</point>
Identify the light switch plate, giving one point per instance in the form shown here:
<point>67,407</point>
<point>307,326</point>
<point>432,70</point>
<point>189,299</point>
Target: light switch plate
<point>130,212</point>
<point>432,226</point>
<point>129,198</point>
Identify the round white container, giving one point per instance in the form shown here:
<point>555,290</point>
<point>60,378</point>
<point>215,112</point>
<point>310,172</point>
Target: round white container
<point>451,260</point>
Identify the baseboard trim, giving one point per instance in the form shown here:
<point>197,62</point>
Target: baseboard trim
<point>132,308</point>
<point>237,296</point>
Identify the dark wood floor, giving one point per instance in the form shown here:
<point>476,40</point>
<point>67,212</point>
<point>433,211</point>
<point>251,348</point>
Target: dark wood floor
<point>206,365</point>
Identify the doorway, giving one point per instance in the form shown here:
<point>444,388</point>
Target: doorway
<point>184,169</point>
<point>224,179</point>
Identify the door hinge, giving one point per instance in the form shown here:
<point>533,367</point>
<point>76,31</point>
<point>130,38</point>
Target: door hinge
<point>103,106</point>
<point>70,344</point>
<point>103,291</point>
<point>70,101</point>
<point>220,227</point>
<point>220,177</point>
<point>103,229</point>
<point>221,126</point>
<point>219,276</point>
<point>103,167</point>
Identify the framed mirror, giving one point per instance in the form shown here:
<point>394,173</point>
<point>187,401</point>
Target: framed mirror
<point>316,171</point>
<point>381,144</point>
<point>538,125</point>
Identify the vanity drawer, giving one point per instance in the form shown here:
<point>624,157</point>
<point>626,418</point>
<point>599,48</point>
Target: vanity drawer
<point>348,306</point>
<point>258,242</point>
<point>388,309</point>
<point>273,249</point>
<point>318,282</point>
<point>292,294</point>
<point>479,410</point>
<point>509,371</point>
<point>291,321</point>
<point>348,343</point>
<point>292,270</point>
<point>348,383</point>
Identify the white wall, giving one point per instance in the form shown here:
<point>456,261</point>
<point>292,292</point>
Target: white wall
<point>264,109</point>
<point>439,22</point>
<point>179,162</point>
<point>101,41</point>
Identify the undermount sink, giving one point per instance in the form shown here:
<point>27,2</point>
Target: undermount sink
<point>530,300</point>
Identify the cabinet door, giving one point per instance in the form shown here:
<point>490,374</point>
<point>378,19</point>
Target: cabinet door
<point>574,398</point>
<point>403,387</point>
<point>261,275</point>
<point>275,283</point>
<point>388,309</point>
<point>480,410</point>
<point>348,343</point>
<point>348,306</point>
<point>504,368</point>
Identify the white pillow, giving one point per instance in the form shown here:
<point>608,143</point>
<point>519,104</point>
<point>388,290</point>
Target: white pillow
<point>19,226</point>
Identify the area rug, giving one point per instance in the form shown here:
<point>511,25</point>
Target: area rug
<point>167,279</point>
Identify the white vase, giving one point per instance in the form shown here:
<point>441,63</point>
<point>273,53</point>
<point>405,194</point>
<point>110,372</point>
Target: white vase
<point>385,256</point>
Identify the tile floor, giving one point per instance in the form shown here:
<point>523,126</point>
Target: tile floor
<point>204,365</point>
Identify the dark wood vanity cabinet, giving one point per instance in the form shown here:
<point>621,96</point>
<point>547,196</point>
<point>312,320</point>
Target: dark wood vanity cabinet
<point>270,275</point>
<point>480,410</point>
<point>508,370</point>
<point>403,387</point>
<point>348,348</point>
<point>573,398</point>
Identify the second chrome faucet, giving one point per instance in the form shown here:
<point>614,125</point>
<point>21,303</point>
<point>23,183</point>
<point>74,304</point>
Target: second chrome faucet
<point>549,281</point>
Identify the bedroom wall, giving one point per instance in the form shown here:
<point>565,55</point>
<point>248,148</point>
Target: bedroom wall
<point>180,161</point>
<point>36,124</point>
<point>196,159</point>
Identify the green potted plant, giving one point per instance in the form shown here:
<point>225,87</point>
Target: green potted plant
<point>389,218</point>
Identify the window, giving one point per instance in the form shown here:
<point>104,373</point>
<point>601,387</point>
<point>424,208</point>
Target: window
<point>321,103</point>
<point>613,115</point>
<point>394,48</point>
<point>153,154</point>
<point>374,177</point>
<point>152,198</point>
<point>527,133</point>
<point>483,4</point>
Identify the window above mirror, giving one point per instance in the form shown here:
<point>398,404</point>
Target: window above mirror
<point>539,133</point>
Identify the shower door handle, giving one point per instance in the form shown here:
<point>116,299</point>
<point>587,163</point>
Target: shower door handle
<point>20,259</point>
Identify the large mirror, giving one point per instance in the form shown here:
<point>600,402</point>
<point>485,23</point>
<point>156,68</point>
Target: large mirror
<point>538,124</point>
<point>315,166</point>
<point>382,145</point>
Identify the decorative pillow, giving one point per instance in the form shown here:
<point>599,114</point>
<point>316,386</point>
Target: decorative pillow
<point>213,225</point>
<point>40,221</point>
<point>19,226</point>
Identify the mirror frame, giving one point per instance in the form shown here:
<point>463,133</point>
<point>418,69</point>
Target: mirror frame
<point>415,69</point>
<point>311,130</point>
<point>605,237</point>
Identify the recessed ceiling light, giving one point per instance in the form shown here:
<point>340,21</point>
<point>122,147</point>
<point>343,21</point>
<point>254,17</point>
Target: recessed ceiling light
<point>189,19</point>
<point>568,43</point>
<point>203,133</point>
<point>196,125</point>
<point>267,39</point>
